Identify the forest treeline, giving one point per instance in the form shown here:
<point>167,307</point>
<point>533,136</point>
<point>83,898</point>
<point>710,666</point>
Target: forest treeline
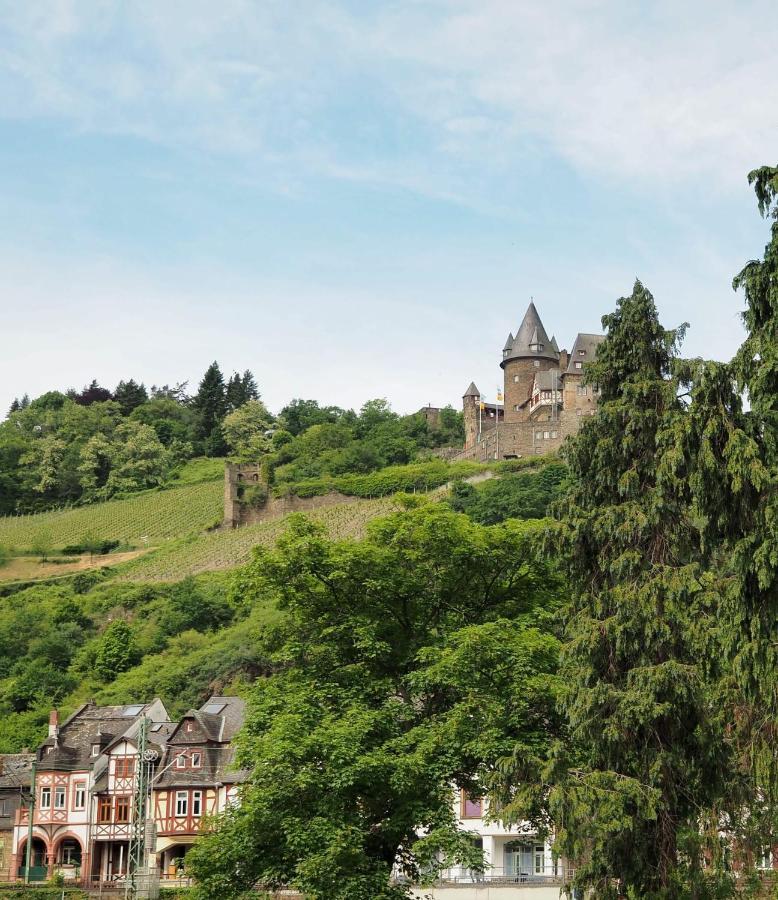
<point>93,444</point>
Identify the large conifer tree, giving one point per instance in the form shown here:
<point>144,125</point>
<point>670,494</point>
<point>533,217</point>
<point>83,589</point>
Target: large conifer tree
<point>642,759</point>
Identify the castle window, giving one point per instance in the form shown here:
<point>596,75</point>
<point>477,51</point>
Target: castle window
<point>582,352</point>
<point>546,435</point>
<point>553,434</point>
<point>539,435</point>
<point>578,365</point>
<point>515,378</point>
<point>536,363</point>
<point>582,391</point>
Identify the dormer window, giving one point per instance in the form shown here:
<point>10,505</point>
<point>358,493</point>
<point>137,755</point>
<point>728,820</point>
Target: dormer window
<point>95,749</point>
<point>189,727</point>
<point>578,365</point>
<point>582,352</point>
<point>181,761</point>
<point>196,759</point>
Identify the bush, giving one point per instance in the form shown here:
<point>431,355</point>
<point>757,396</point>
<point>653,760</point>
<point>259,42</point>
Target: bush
<point>99,547</point>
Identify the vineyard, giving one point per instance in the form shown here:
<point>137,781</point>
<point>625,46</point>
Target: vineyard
<point>225,549</point>
<point>147,518</point>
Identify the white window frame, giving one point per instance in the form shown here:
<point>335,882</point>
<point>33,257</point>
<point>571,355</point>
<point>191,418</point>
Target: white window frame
<point>181,761</point>
<point>535,363</point>
<point>539,859</point>
<point>516,379</point>
<point>60,797</point>
<point>45,798</point>
<point>196,759</point>
<point>79,795</point>
<point>578,365</point>
<point>197,803</point>
<point>182,804</point>
<point>95,749</point>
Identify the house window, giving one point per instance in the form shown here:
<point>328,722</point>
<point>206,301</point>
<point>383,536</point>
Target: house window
<point>104,810</point>
<point>95,749</point>
<point>582,352</point>
<point>46,798</point>
<point>546,435</point>
<point>181,761</point>
<point>125,767</point>
<point>540,859</point>
<point>59,798</point>
<point>4,811</point>
<point>553,434</point>
<point>182,803</point>
<point>472,807</point>
<point>578,365</point>
<point>188,727</point>
<point>122,810</point>
<point>197,803</point>
<point>70,853</point>
<point>79,795</point>
<point>195,759</point>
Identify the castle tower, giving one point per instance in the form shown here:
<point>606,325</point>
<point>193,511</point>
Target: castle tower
<point>523,356</point>
<point>470,402</point>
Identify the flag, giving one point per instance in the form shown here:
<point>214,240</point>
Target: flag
<point>499,396</point>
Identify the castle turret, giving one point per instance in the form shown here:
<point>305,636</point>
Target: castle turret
<point>530,352</point>
<point>470,402</point>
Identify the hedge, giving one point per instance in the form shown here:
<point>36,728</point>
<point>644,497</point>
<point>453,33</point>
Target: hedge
<point>394,479</point>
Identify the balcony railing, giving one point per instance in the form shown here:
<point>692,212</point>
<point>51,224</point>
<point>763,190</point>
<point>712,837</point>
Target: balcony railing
<point>559,875</point>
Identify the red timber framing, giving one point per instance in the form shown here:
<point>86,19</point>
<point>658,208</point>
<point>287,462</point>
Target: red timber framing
<point>176,808</point>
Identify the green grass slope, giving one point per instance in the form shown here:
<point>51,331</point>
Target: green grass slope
<point>154,516</point>
<point>227,549</point>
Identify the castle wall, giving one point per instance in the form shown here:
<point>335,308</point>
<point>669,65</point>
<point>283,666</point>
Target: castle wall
<point>519,375</point>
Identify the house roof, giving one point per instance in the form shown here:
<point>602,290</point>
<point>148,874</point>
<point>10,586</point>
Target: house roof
<point>214,725</point>
<point>71,748</point>
<point>584,350</point>
<point>16,769</point>
<point>549,380</point>
<point>530,337</point>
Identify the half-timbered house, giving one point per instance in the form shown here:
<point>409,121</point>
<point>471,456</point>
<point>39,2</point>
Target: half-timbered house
<point>198,778</point>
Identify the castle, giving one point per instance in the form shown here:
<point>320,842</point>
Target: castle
<point>544,396</point>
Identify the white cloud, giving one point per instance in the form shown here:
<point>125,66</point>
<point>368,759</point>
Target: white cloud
<point>669,93</point>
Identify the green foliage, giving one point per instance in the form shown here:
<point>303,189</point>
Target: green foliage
<point>244,431</point>
<point>116,651</point>
<point>646,750</point>
<point>512,496</point>
<point>407,663</point>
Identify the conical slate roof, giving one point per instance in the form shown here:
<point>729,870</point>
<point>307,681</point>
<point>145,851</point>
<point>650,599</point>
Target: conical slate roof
<point>472,391</point>
<point>508,342</point>
<point>554,345</point>
<point>531,339</point>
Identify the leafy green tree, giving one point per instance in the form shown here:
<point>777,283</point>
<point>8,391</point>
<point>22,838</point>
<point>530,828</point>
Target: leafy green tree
<point>42,545</point>
<point>116,651</point>
<point>189,606</point>
<point>245,431</point>
<point>139,459</point>
<point>408,663</point>
<point>646,754</point>
<point>526,495</point>
<point>171,420</point>
<point>130,395</point>
<point>299,415</point>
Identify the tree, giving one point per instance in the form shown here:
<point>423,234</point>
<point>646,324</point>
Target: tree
<point>210,407</point>
<point>407,664</point>
<point>92,393</point>
<point>240,390</point>
<point>129,395</point>
<point>245,431</point>
<point>138,460</point>
<point>646,753</point>
<point>116,651</point>
<point>300,415</point>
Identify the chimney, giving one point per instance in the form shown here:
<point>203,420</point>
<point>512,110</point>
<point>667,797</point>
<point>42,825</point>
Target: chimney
<point>53,723</point>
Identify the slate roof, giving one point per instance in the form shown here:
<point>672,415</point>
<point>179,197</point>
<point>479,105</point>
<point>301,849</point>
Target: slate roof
<point>550,380</point>
<point>531,332</point>
<point>71,749</point>
<point>588,343</point>
<point>211,734</point>
<point>15,769</point>
<point>472,391</point>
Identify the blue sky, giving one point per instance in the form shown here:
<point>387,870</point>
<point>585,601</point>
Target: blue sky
<point>358,199</point>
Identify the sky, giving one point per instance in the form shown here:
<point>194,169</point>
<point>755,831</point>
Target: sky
<point>358,199</point>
